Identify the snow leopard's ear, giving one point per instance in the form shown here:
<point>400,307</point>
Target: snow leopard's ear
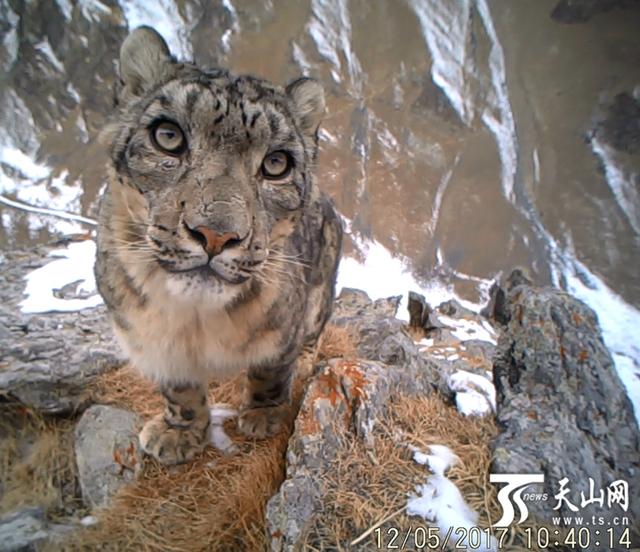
<point>145,60</point>
<point>307,103</point>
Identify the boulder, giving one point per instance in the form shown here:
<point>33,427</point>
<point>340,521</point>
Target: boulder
<point>344,400</point>
<point>107,451</point>
<point>47,361</point>
<point>421,315</point>
<point>25,529</point>
<point>561,407</point>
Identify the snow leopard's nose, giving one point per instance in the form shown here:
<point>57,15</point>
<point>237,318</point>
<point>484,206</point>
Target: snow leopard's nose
<point>213,242</point>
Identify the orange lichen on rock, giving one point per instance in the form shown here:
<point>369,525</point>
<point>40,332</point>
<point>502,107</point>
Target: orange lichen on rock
<point>327,385</point>
<point>340,387</point>
<point>358,382</point>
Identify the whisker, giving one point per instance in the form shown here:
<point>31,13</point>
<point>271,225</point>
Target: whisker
<point>280,272</point>
<point>132,247</point>
<point>136,248</point>
<point>282,264</point>
<point>286,259</point>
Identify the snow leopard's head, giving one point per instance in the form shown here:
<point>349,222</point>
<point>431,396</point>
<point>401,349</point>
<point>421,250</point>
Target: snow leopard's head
<point>215,168</point>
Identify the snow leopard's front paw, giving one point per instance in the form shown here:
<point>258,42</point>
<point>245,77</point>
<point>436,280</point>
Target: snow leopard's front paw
<point>264,421</point>
<point>182,431</point>
<point>173,445</point>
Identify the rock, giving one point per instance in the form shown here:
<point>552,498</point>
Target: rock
<point>421,315</point>
<point>495,309</point>
<point>561,406</point>
<point>345,397</point>
<point>615,140</point>
<point>454,309</point>
<point>22,530</point>
<point>353,302</point>
<point>619,124</point>
<point>25,529</point>
<point>107,452</point>
<point>47,361</point>
<point>381,337</point>
<point>417,306</point>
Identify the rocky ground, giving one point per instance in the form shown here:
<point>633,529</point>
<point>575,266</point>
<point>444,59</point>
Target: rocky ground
<point>526,387</point>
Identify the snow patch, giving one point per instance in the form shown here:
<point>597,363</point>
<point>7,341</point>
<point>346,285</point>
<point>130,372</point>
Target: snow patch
<point>619,322</point>
<point>164,16</point>
<point>623,186</point>
<point>381,275</point>
<point>503,127</point>
<point>235,26</point>
<point>219,439</point>
<point>66,8</point>
<point>301,60</point>
<point>465,329</point>
<point>447,30</point>
<point>536,166</point>
<point>439,501</point>
<point>330,29</point>
<point>72,264</point>
<point>18,160</point>
<point>10,40</point>
<point>51,200</point>
<point>475,394</point>
<point>71,90</point>
<point>88,521</point>
<point>439,461</point>
<point>93,10</point>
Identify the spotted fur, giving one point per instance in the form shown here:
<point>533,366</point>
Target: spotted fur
<point>208,264</point>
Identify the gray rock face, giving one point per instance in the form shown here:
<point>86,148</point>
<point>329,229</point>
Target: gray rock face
<point>561,407</point>
<point>346,397</point>
<point>48,360</point>
<point>23,530</point>
<point>381,337</point>
<point>107,452</point>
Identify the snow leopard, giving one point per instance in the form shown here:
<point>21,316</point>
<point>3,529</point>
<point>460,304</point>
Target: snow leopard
<point>217,252</point>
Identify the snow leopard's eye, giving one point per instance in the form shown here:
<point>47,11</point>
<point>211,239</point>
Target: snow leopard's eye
<point>276,165</point>
<point>168,137</point>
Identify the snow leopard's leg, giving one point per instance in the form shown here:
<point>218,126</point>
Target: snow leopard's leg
<point>182,430</point>
<point>266,408</point>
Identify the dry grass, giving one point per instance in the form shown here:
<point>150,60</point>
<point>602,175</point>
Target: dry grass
<point>218,502</point>
<point>37,465</point>
<point>335,342</point>
<point>430,421</point>
<point>125,388</point>
<point>369,488</point>
<point>214,503</point>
